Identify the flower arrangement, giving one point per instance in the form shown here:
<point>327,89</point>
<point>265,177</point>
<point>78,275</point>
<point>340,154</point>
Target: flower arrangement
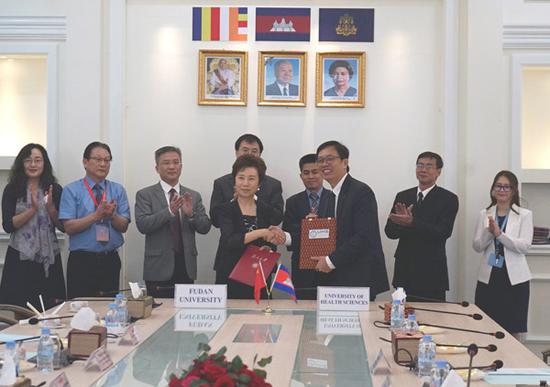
<point>213,370</point>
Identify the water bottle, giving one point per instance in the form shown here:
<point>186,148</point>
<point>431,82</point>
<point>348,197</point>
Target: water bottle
<point>426,356</point>
<point>111,319</point>
<point>411,326</point>
<point>122,309</point>
<point>10,355</point>
<point>397,316</point>
<point>440,372</point>
<point>45,352</point>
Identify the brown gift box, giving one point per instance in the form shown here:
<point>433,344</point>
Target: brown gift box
<point>83,343</point>
<point>405,346</point>
<point>140,307</point>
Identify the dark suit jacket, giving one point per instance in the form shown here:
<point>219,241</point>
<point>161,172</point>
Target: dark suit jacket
<point>153,219</point>
<point>231,245</point>
<point>296,209</point>
<point>270,192</point>
<point>420,258</point>
<point>358,257</point>
<point>273,89</point>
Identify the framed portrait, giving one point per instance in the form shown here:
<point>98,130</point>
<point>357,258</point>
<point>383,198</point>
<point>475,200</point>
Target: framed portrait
<point>222,77</point>
<point>282,78</point>
<point>340,79</point>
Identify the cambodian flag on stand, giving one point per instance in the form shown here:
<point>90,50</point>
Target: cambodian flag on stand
<point>283,281</point>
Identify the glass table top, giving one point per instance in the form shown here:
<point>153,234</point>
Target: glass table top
<point>331,350</point>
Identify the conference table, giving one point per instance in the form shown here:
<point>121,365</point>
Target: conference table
<point>309,347</point>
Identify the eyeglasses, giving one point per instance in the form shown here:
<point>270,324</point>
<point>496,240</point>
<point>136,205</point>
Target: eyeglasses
<point>502,187</point>
<point>327,159</point>
<point>33,161</point>
<point>99,160</point>
<point>427,167</point>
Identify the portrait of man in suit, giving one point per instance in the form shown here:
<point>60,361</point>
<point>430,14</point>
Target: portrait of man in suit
<point>422,219</point>
<point>358,259</point>
<point>279,84</point>
<point>169,214</point>
<point>270,191</point>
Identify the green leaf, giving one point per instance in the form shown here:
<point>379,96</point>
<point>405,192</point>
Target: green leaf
<point>222,351</point>
<point>203,357</point>
<point>260,373</point>
<point>236,364</point>
<point>265,361</point>
<point>203,347</point>
<point>198,383</point>
<point>244,378</point>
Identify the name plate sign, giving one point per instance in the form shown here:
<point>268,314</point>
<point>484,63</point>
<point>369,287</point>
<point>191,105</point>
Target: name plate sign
<point>330,322</point>
<point>342,298</point>
<point>199,320</point>
<point>200,296</point>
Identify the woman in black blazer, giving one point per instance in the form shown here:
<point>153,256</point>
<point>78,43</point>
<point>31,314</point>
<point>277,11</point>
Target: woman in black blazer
<point>244,221</point>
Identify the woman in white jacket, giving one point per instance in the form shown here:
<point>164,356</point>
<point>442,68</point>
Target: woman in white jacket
<point>503,234</point>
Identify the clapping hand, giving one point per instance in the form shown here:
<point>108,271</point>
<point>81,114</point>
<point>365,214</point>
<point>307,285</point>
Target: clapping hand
<point>48,199</point>
<point>176,203</point>
<point>187,204</point>
<point>493,227</point>
<point>403,215</point>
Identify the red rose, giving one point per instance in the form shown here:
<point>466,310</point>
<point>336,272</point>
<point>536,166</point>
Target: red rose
<point>224,381</point>
<point>185,382</point>
<point>213,372</point>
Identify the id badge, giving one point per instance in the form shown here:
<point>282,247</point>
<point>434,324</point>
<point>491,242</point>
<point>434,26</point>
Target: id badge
<point>102,232</point>
<point>496,260</point>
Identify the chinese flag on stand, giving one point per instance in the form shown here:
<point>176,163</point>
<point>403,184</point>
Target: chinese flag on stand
<point>259,284</point>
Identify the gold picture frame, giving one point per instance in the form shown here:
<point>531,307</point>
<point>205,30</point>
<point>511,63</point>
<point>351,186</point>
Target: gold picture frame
<point>223,77</point>
<point>340,79</point>
<point>282,78</point>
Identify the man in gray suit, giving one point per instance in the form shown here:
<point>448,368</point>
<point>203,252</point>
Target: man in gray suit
<point>169,214</point>
<point>270,191</point>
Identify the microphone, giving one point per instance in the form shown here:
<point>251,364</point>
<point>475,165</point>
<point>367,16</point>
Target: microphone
<point>495,365</point>
<point>490,347</point>
<point>475,316</point>
<point>462,303</point>
<point>102,293</point>
<point>24,339</point>
<point>497,334</point>
<point>160,288</point>
<point>35,320</point>
<point>472,351</point>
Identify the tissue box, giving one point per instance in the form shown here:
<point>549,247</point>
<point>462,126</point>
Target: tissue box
<point>83,343</point>
<point>409,345</point>
<point>140,307</point>
<point>387,311</point>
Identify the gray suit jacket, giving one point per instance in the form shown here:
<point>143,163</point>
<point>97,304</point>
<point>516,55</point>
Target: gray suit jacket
<point>153,219</point>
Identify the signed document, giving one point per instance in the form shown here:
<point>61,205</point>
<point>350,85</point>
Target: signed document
<point>317,239</point>
<point>245,270</point>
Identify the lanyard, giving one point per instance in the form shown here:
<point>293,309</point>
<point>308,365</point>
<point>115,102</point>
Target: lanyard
<point>103,197</point>
<point>497,242</point>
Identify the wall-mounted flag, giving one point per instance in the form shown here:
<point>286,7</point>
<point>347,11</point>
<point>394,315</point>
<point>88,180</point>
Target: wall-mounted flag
<point>220,23</point>
<point>346,24</point>
<point>283,24</point>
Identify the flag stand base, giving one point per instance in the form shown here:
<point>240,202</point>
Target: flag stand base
<point>268,310</point>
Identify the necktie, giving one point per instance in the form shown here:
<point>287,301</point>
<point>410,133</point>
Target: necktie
<point>285,91</point>
<point>420,198</point>
<point>176,227</point>
<point>98,191</point>
<point>314,199</point>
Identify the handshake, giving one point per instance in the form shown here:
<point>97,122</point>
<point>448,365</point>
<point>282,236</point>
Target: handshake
<point>274,235</point>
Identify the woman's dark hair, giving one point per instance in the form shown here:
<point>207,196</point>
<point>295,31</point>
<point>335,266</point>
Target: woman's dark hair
<point>340,63</point>
<point>249,161</point>
<point>18,178</point>
<point>513,183</point>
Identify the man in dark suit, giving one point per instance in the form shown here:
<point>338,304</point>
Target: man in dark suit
<point>270,191</point>
<point>358,259</point>
<point>283,77</point>
<point>313,202</point>
<point>169,215</point>
<point>422,219</point>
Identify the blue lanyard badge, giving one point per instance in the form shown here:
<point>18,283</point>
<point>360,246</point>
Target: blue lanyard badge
<point>496,258</point>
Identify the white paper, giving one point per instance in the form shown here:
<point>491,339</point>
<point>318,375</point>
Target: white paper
<point>521,371</point>
<point>453,380</point>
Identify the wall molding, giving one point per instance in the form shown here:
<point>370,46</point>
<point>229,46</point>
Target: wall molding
<point>33,28</point>
<point>522,36</point>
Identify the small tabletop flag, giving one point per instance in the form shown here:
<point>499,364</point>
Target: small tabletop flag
<point>259,284</point>
<point>283,281</point>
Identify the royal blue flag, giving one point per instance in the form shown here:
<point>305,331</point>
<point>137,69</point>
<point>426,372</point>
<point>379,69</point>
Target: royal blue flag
<point>346,24</point>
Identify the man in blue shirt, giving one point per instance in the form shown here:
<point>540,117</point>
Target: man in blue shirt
<point>95,213</point>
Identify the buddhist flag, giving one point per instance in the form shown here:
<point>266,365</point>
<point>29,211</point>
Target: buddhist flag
<point>220,23</point>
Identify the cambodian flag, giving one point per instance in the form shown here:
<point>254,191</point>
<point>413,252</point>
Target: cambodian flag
<point>283,281</point>
<point>283,24</point>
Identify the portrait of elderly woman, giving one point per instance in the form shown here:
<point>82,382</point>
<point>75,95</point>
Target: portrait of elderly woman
<point>341,75</point>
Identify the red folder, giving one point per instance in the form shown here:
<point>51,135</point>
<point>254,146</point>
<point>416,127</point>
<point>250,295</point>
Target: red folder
<point>245,270</point>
